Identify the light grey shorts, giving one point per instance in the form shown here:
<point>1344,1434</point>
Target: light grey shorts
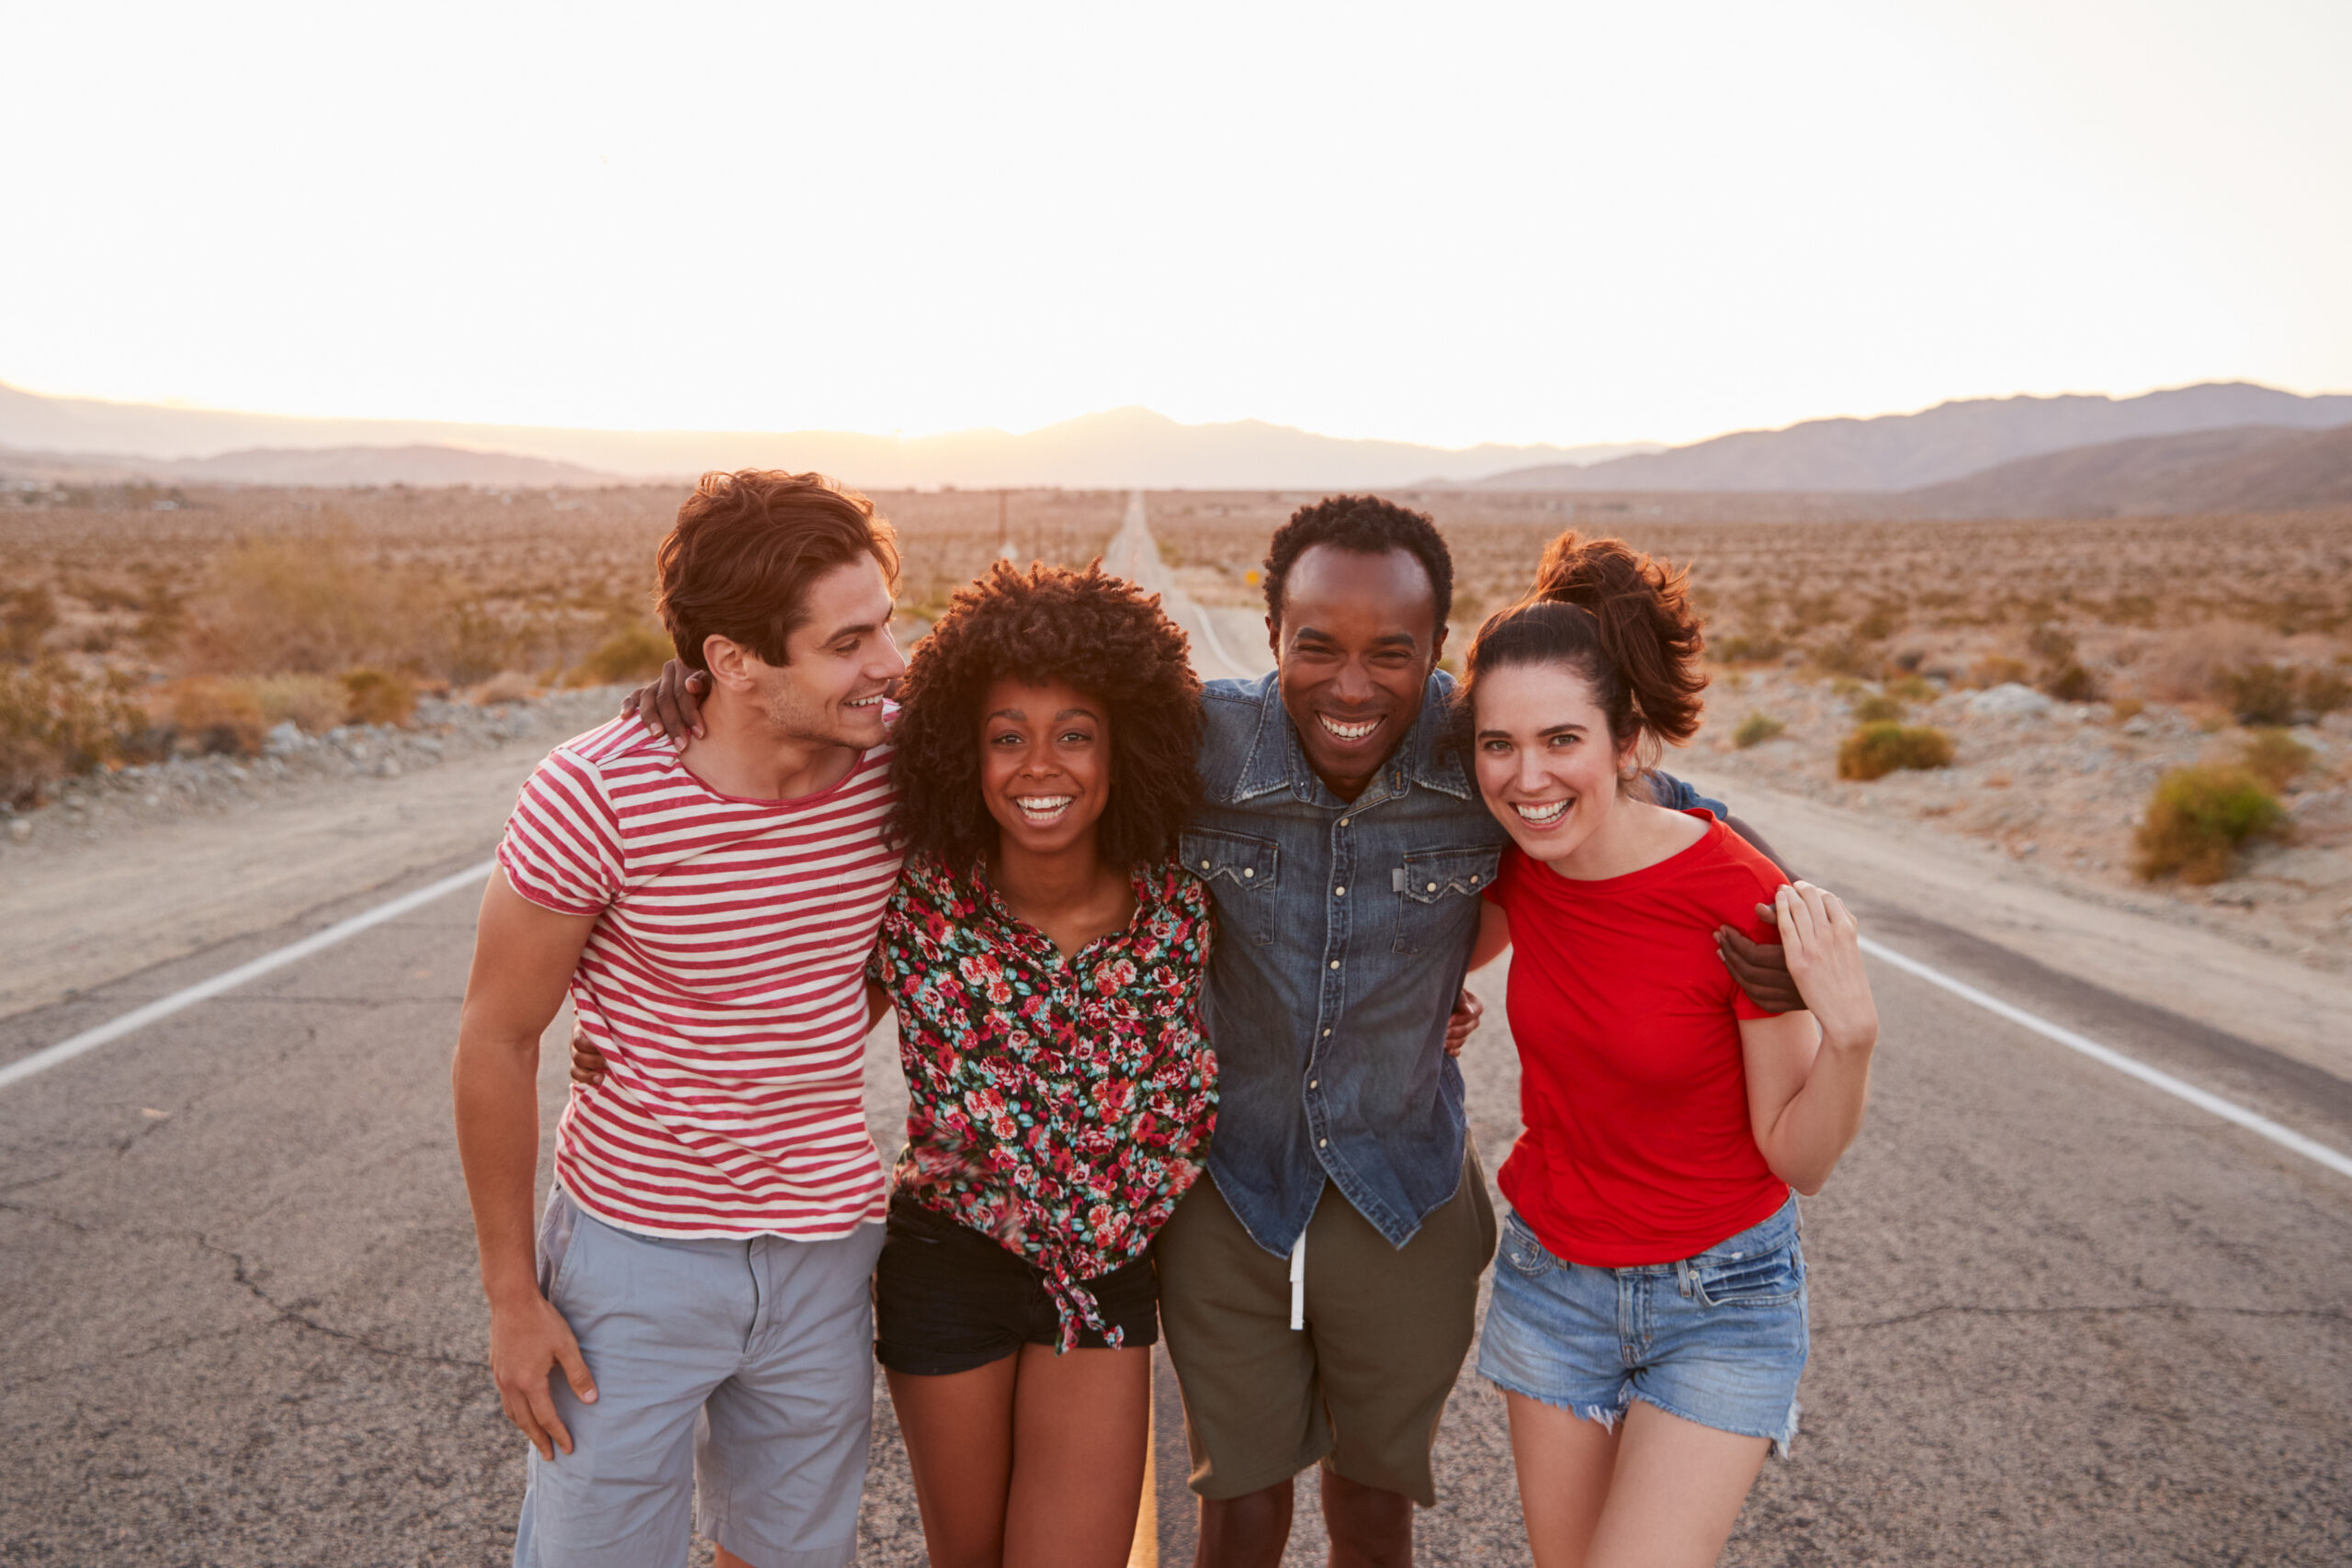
<point>742,1367</point>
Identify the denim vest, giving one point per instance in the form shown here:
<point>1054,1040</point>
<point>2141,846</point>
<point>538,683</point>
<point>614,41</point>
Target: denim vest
<point>1344,929</point>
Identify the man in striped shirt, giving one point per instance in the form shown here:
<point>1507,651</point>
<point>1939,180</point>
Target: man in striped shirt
<point>698,1279</point>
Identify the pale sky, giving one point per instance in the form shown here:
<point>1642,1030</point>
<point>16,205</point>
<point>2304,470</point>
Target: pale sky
<point>1565,222</point>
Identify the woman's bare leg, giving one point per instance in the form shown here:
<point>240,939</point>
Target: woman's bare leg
<point>1563,1462</point>
<point>1675,1493</point>
<point>958,1431</point>
<point>1082,1422</point>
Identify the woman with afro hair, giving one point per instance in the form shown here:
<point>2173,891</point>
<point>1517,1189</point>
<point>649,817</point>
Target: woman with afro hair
<point>1045,954</point>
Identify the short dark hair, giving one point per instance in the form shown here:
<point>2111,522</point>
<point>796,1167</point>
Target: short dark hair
<point>1365,525</point>
<point>1099,635</point>
<point>745,547</point>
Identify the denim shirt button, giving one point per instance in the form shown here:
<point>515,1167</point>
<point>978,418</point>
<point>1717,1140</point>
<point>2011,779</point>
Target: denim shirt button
<point>1338,892</point>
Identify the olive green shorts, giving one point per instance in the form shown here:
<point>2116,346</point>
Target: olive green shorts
<point>1362,1386</point>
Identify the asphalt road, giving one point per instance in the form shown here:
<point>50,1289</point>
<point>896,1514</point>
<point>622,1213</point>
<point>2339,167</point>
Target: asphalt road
<point>2059,1317</point>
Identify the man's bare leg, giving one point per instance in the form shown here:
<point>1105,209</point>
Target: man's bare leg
<point>1248,1531</point>
<point>1369,1525</point>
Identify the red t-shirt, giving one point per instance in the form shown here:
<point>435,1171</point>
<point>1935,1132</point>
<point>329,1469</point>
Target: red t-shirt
<point>1632,1086</point>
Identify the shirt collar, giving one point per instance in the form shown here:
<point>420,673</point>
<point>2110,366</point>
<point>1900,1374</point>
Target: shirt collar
<point>1428,756</point>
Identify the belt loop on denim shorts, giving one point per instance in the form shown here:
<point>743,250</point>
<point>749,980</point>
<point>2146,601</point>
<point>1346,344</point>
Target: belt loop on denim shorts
<point>1684,1275</point>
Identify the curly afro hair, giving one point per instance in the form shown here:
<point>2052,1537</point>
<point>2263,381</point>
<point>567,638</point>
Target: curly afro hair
<point>1364,525</point>
<point>1097,633</point>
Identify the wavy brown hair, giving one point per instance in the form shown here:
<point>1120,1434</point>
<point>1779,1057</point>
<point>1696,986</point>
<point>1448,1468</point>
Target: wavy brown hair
<point>1099,635</point>
<point>745,547</point>
<point>1620,619</point>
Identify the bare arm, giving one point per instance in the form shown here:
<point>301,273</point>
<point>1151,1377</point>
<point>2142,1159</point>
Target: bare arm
<point>1809,1073</point>
<point>523,956</point>
<point>1494,935</point>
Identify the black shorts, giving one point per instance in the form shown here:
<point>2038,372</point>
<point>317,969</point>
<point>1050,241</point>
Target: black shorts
<point>947,1299</point>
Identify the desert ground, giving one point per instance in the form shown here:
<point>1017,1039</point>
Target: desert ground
<point>165,654</point>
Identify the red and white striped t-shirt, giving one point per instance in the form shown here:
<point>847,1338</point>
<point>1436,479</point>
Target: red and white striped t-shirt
<point>724,983</point>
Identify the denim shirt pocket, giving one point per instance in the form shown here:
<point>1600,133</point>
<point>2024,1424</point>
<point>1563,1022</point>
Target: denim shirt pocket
<point>1242,873</point>
<point>1437,897</point>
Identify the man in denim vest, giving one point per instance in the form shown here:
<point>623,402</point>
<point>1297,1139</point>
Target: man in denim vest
<point>1320,1292</point>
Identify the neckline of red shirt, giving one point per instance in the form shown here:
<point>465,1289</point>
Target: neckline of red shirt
<point>1633,881</point>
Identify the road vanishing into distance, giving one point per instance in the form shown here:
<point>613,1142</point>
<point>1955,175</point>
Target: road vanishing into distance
<point>2060,1315</point>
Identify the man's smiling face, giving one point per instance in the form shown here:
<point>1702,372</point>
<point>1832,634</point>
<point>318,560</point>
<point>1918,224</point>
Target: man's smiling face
<point>1357,639</point>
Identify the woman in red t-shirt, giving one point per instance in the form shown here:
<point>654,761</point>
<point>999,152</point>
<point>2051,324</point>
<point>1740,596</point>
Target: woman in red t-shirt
<point>1648,1323</point>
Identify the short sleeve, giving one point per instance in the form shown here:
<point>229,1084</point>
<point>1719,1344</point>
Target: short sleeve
<point>1676,795</point>
<point>562,848</point>
<point>1763,882</point>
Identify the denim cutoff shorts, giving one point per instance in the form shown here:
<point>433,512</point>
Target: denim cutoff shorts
<point>1720,1338</point>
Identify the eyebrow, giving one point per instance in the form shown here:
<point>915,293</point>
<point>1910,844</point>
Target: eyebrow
<point>1548,729</point>
<point>862,629</point>
<point>1018,717</point>
<point>1388,639</point>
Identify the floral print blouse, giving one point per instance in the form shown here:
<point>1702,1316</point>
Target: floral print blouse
<point>1059,1106</point>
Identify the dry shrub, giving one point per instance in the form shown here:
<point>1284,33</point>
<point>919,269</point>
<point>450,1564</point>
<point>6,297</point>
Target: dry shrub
<point>214,716</point>
<point>2070,682</point>
<point>53,726</point>
<point>1996,670</point>
<point>2276,758</point>
<point>633,653</point>
<point>2188,665</point>
<point>1755,729</point>
<point>1879,707</point>
<point>506,686</point>
<point>311,607</point>
<point>373,696</point>
<point>29,616</point>
<point>2198,820</point>
<point>1877,749</point>
<point>1843,656</point>
<point>2281,693</point>
<point>312,703</point>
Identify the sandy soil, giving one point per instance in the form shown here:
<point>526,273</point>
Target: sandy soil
<point>2059,791</point>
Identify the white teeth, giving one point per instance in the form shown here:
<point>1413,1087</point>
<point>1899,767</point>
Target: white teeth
<point>864,702</point>
<point>1348,731</point>
<point>1541,816</point>
<point>1043,807</point>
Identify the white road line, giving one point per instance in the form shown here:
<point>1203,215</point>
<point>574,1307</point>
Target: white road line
<point>229,980</point>
<point>2285,1137</point>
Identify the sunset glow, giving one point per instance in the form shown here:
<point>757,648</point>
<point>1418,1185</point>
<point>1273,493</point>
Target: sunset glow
<point>1539,223</point>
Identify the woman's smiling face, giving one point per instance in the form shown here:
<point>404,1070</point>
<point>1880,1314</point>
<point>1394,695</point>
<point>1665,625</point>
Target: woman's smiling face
<point>1044,763</point>
<point>1546,766</point>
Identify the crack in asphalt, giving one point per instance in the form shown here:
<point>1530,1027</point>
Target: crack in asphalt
<point>241,1273</point>
<point>2178,1309</point>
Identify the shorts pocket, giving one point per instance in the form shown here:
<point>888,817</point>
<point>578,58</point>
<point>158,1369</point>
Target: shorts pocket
<point>1763,1279</point>
<point>1523,1252</point>
<point>558,1242</point>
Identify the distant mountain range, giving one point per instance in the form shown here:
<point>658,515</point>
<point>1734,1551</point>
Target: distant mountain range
<point>1903,452</point>
<point>2259,468</point>
<point>1115,449</point>
<point>2219,447</point>
<point>324,466</point>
